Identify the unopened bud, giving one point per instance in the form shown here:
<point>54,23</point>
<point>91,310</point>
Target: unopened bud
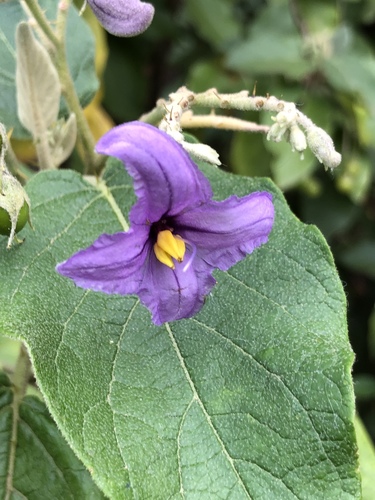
<point>297,139</point>
<point>14,206</point>
<point>323,148</point>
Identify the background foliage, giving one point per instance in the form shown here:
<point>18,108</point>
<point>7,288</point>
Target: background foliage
<point>319,54</point>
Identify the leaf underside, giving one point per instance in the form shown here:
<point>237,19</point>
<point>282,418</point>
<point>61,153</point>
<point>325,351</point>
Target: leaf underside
<point>251,398</point>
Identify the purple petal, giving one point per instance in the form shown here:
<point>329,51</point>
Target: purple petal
<point>225,231</point>
<point>112,264</point>
<point>123,17</point>
<point>174,294</point>
<point>166,181</point>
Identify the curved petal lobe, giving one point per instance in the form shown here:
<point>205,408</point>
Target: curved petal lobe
<point>123,17</point>
<point>224,232</point>
<point>166,181</point>
<point>112,264</point>
<point>175,294</point>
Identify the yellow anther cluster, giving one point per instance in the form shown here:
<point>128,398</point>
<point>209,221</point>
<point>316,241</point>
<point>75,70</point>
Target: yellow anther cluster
<point>168,247</point>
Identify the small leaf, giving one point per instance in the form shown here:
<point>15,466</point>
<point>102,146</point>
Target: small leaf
<point>36,461</point>
<point>38,84</point>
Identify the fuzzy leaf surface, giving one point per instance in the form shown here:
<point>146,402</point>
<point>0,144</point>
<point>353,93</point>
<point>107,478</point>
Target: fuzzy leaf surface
<point>251,398</point>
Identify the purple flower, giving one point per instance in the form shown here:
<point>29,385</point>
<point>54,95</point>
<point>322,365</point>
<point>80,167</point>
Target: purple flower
<point>178,234</point>
<point>123,17</point>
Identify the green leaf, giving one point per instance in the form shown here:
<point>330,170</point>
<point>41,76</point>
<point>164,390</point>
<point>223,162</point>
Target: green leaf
<point>248,155</point>
<point>80,52</point>
<point>366,460</point>
<point>273,46</point>
<point>40,465</point>
<point>214,19</point>
<point>251,398</point>
<point>355,178</point>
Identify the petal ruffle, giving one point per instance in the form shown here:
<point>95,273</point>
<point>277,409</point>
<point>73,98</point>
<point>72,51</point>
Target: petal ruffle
<point>112,264</point>
<point>166,181</point>
<point>123,17</point>
<point>225,231</point>
<point>175,294</point>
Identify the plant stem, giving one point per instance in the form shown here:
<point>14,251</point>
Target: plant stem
<point>93,162</point>
<point>189,120</point>
<point>42,21</point>
<point>20,380</point>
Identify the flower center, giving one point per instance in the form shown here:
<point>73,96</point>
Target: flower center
<point>168,247</point>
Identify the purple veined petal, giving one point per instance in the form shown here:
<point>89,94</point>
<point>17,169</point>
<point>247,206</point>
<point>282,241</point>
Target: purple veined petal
<point>172,294</point>
<point>166,181</point>
<point>123,17</point>
<point>114,263</point>
<point>225,231</point>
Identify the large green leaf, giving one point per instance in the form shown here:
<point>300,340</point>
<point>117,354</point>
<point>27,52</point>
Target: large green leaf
<point>80,50</point>
<point>35,460</point>
<point>251,398</point>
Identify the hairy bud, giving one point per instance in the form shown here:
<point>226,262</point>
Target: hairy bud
<point>14,206</point>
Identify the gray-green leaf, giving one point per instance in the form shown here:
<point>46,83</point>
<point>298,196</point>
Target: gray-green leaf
<point>251,398</point>
<point>80,50</point>
<point>37,82</point>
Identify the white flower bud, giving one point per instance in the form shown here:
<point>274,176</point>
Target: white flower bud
<point>323,148</point>
<point>297,139</point>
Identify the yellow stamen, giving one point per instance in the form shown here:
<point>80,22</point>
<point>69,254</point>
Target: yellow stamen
<point>163,257</point>
<point>168,246</point>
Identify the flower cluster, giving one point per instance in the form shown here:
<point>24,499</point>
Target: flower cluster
<point>178,233</point>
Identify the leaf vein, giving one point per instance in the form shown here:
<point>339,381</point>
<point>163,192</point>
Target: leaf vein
<point>283,383</point>
<point>183,418</point>
<point>205,413</point>
<point>108,398</point>
<point>51,243</point>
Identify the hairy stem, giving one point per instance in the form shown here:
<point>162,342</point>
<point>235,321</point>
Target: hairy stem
<point>288,120</point>
<point>20,380</point>
<point>42,21</point>
<point>86,140</point>
<point>189,120</point>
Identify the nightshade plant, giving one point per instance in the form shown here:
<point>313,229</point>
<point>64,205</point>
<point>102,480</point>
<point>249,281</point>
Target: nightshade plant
<point>178,235</point>
<point>238,384</point>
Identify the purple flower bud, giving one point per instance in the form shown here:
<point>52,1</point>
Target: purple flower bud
<point>123,17</point>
